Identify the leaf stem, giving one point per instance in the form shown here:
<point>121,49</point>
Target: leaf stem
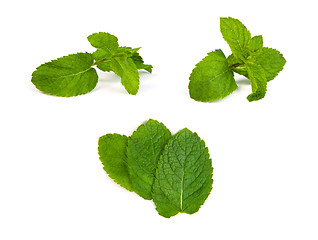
<point>236,65</point>
<point>99,61</point>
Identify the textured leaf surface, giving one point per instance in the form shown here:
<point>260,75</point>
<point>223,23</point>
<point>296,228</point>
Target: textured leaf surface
<point>105,42</point>
<point>127,70</point>
<point>100,56</point>
<point>139,62</point>
<point>271,61</point>
<point>236,35</point>
<point>212,79</point>
<point>112,149</point>
<point>256,43</point>
<point>258,81</point>
<point>68,76</point>
<point>184,175</point>
<point>144,148</point>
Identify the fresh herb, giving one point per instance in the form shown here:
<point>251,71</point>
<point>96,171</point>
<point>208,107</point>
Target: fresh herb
<point>184,175</point>
<point>213,77</point>
<point>144,148</point>
<point>75,74</point>
<point>174,171</point>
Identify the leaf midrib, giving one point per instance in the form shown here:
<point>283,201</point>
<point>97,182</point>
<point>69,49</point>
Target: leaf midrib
<point>73,74</point>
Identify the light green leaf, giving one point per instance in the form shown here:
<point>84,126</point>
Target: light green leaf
<point>112,149</point>
<point>184,175</point>
<point>126,51</point>
<point>258,81</point>
<point>68,76</point>
<point>236,65</point>
<point>104,41</point>
<point>256,43</point>
<point>101,61</point>
<point>126,69</point>
<point>271,61</point>
<point>212,79</point>
<point>237,36</point>
<point>144,148</point>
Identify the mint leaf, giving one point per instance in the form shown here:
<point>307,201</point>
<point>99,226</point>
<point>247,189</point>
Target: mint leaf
<point>68,76</point>
<point>101,61</point>
<point>127,51</point>
<point>212,79</point>
<point>74,74</point>
<point>258,81</point>
<point>124,61</point>
<point>139,62</point>
<point>105,42</point>
<point>256,43</point>
<point>112,149</point>
<point>174,171</point>
<point>271,61</point>
<point>184,175</point>
<point>236,35</point>
<point>126,69</point>
<point>144,148</point>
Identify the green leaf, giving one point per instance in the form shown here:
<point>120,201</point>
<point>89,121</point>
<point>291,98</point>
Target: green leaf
<point>121,52</point>
<point>212,79</point>
<point>112,149</point>
<point>237,66</point>
<point>105,42</point>
<point>126,69</point>
<point>271,61</point>
<point>144,148</point>
<point>256,43</point>
<point>126,51</point>
<point>184,175</point>
<point>236,35</point>
<point>68,76</point>
<point>139,62</point>
<point>258,81</point>
<point>105,66</point>
<point>101,61</point>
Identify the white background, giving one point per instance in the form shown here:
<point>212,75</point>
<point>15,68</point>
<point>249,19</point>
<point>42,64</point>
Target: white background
<point>264,153</point>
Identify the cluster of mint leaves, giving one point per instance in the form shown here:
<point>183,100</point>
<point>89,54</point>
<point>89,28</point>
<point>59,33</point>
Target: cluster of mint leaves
<point>75,74</point>
<point>175,171</point>
<point>213,77</point>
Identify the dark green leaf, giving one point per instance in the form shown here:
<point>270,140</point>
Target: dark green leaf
<point>184,175</point>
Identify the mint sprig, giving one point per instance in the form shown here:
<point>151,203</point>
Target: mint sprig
<point>213,77</point>
<point>75,74</point>
<point>174,171</point>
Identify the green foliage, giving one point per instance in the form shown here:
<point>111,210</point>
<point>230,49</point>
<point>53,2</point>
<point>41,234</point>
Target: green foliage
<point>271,61</point>
<point>68,76</point>
<point>144,148</point>
<point>74,74</point>
<point>112,149</point>
<point>258,81</point>
<point>184,175</point>
<point>126,69</point>
<point>174,171</point>
<point>237,36</point>
<point>212,78</point>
